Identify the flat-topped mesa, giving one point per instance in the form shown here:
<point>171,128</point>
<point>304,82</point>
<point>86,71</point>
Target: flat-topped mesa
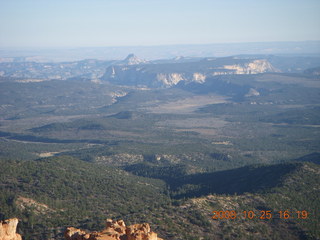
<point>136,72</point>
<point>115,230</point>
<point>8,230</point>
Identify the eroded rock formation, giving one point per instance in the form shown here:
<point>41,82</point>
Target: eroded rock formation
<point>115,230</point>
<point>133,71</point>
<point>8,230</point>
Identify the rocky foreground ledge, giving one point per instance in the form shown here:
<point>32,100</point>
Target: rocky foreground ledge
<point>8,229</point>
<point>115,230</point>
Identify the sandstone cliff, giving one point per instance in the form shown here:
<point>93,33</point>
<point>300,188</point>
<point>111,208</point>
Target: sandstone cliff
<point>133,71</point>
<point>115,230</point>
<point>254,67</point>
<point>8,230</point>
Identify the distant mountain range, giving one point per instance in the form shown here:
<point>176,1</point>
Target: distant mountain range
<point>161,52</point>
<point>140,72</point>
<point>135,71</point>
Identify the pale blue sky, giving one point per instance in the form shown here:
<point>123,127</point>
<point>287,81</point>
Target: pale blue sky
<point>92,23</point>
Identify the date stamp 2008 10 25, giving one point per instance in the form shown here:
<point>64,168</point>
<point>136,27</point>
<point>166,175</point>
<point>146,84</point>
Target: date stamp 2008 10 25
<point>262,214</point>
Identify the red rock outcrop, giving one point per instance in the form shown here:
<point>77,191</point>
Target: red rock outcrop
<point>115,230</point>
<point>8,230</point>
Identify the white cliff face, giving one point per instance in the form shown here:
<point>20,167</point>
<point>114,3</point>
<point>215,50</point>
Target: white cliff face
<point>116,95</point>
<point>199,77</point>
<point>170,79</point>
<point>261,66</point>
<point>252,93</point>
<point>113,73</point>
<point>255,67</point>
<point>149,75</point>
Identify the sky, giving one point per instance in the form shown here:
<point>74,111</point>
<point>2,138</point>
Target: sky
<point>104,23</point>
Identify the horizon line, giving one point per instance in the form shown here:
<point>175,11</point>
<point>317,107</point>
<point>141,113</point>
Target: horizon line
<point>153,45</point>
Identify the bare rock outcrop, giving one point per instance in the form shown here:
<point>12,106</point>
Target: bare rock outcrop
<point>170,79</point>
<point>140,232</point>
<point>136,72</point>
<point>115,230</point>
<point>8,230</point>
<point>253,67</point>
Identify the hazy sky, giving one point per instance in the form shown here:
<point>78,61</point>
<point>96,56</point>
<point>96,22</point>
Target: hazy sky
<point>90,23</point>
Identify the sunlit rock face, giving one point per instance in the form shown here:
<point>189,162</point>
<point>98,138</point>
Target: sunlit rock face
<point>254,67</point>
<point>136,72</point>
<point>8,229</point>
<point>115,230</point>
<point>170,79</point>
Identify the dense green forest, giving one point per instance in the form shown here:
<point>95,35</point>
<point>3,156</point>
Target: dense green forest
<point>67,191</point>
<point>51,194</point>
